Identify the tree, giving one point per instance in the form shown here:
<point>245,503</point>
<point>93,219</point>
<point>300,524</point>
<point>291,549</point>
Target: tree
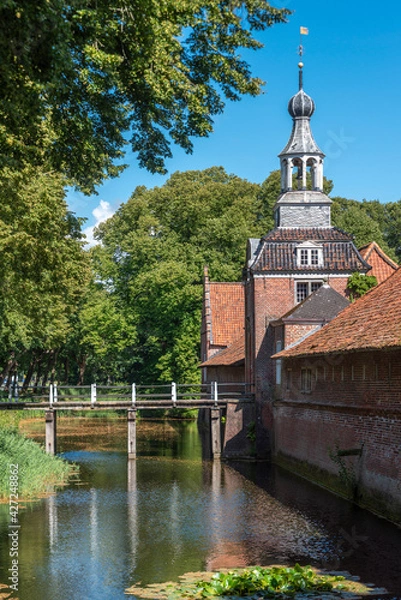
<point>43,268</point>
<point>77,76</point>
<point>366,221</point>
<point>358,284</point>
<point>152,257</point>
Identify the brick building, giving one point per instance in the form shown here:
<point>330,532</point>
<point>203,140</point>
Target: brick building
<point>303,257</point>
<point>222,333</point>
<point>382,266</point>
<point>293,260</point>
<point>338,411</point>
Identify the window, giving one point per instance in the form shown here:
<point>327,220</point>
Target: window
<point>304,256</point>
<point>309,254</point>
<point>314,257</point>
<point>306,380</point>
<point>303,289</point>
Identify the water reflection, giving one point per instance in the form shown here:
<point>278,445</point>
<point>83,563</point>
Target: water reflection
<point>168,513</point>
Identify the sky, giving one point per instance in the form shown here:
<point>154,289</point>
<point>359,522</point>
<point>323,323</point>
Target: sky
<point>352,59</point>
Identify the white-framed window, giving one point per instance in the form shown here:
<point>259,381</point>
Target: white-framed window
<point>303,289</point>
<point>309,254</point>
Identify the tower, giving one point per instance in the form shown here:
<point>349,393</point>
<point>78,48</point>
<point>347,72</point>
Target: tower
<point>302,253</point>
<point>302,202</point>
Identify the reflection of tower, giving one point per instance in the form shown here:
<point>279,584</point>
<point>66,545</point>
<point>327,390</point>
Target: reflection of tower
<point>132,510</point>
<point>52,516</point>
<point>297,206</point>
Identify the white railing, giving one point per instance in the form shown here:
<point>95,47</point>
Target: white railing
<point>172,394</point>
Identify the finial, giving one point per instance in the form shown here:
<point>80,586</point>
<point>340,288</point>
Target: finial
<point>300,65</point>
<point>302,31</point>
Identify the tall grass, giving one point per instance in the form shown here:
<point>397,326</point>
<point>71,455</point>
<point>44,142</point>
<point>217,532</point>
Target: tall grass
<point>38,472</point>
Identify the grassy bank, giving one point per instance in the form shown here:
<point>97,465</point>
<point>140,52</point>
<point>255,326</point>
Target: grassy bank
<point>37,472</point>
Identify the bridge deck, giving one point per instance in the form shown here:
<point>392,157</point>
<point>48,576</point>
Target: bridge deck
<point>116,404</point>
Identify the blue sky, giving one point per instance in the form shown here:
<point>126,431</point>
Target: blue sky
<point>352,71</point>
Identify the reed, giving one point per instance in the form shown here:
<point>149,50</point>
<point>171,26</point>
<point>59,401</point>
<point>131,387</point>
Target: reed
<point>38,472</point>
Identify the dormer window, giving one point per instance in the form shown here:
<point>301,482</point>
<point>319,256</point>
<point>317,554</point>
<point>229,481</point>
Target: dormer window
<point>309,254</point>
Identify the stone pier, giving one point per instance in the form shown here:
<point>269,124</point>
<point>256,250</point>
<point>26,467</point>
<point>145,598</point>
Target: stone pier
<point>51,432</point>
<point>131,421</point>
<point>215,427</point>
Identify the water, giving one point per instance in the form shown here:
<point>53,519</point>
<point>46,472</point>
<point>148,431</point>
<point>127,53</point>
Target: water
<point>168,513</point>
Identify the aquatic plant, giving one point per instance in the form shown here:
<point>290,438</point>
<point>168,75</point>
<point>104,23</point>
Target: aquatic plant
<point>38,472</point>
<point>266,582</point>
<point>254,583</point>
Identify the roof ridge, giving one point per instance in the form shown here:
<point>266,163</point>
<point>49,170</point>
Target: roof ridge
<point>375,246</point>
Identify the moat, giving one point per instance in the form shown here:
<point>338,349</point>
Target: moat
<point>170,512</point>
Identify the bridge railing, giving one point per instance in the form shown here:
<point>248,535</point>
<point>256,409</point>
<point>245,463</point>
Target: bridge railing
<point>171,394</point>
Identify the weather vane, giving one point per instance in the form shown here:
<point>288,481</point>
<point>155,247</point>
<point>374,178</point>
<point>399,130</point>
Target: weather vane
<point>302,31</point>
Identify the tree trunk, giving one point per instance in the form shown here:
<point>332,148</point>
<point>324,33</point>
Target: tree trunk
<point>7,368</point>
<point>81,369</point>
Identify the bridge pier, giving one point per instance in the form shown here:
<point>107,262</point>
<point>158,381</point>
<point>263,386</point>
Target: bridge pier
<point>51,432</point>
<point>131,422</point>
<point>215,431</point>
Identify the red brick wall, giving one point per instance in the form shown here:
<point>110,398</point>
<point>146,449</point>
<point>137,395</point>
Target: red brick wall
<point>338,284</point>
<point>355,402</point>
<point>295,332</point>
<point>267,299</point>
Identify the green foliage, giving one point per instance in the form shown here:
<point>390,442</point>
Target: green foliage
<point>43,268</point>
<point>253,583</point>
<point>266,583</point>
<point>346,471</point>
<point>152,258</point>
<point>358,284</point>
<point>159,70</point>
<point>38,472</point>
<point>370,221</point>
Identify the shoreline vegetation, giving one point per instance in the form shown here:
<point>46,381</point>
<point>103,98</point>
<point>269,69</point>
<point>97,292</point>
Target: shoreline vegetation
<point>39,474</point>
<point>274,582</point>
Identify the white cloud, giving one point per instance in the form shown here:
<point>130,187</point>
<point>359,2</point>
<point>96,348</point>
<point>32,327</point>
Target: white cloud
<point>102,212</point>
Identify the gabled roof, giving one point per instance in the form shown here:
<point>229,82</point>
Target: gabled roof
<point>382,265</point>
<point>320,307</point>
<point>277,250</point>
<point>227,310</point>
<point>373,322</point>
<point>232,356</point>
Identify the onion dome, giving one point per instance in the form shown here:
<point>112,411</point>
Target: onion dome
<point>301,105</point>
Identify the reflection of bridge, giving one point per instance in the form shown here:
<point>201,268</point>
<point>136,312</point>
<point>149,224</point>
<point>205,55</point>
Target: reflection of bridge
<point>213,397</point>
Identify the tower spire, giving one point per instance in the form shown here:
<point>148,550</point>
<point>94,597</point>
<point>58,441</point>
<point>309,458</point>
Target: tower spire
<point>302,200</point>
<point>302,31</point>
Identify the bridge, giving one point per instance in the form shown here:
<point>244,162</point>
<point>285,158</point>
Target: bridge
<point>214,397</point>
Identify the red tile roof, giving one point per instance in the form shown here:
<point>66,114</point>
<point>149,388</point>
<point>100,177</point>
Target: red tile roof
<point>231,356</point>
<point>227,308</point>
<point>372,322</point>
<point>277,251</point>
<point>382,265</point>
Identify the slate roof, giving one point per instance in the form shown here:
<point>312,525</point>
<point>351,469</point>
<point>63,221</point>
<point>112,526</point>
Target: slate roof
<point>321,306</point>
<point>227,308</point>
<point>382,265</point>
<point>232,356</point>
<point>371,323</point>
<point>277,251</point>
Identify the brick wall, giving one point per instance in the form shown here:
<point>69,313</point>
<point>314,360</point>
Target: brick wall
<point>267,299</point>
<point>354,403</point>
